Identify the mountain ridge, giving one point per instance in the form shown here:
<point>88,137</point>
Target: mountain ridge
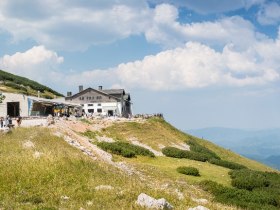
<point>18,84</point>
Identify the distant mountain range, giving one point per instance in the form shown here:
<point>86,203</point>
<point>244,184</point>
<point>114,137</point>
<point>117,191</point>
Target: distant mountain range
<point>260,145</point>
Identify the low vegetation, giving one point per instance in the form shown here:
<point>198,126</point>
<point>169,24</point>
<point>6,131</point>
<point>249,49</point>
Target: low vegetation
<point>196,147</point>
<point>188,171</point>
<point>200,153</point>
<point>226,164</point>
<point>90,134</point>
<point>125,149</point>
<point>252,189</point>
<point>179,153</point>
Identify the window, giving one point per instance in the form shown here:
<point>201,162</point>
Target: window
<point>99,110</point>
<point>98,104</point>
<point>88,98</point>
<point>91,110</point>
<point>81,98</point>
<point>90,104</point>
<point>98,97</point>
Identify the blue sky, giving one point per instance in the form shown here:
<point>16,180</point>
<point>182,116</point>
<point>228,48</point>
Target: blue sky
<point>202,63</point>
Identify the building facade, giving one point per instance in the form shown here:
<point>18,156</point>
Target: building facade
<point>109,102</point>
<point>22,105</point>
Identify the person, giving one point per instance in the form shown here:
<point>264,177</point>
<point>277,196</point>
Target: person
<point>1,122</point>
<point>7,121</point>
<point>19,119</point>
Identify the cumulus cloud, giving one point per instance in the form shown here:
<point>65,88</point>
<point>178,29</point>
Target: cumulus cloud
<point>193,66</point>
<point>269,14</point>
<point>212,6</point>
<point>36,63</point>
<point>80,24</point>
<point>75,25</point>
<point>196,66</point>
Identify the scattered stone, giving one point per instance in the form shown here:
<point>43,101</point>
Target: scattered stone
<point>37,154</point>
<point>89,203</point>
<point>64,198</point>
<point>180,195</point>
<point>199,208</point>
<point>104,187</point>
<point>28,145</point>
<point>200,201</point>
<point>137,143</point>
<point>50,120</point>
<point>147,201</point>
<point>104,139</point>
<point>182,146</point>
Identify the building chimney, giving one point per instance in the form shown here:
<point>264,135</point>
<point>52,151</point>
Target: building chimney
<point>81,88</point>
<point>99,87</point>
<point>69,94</point>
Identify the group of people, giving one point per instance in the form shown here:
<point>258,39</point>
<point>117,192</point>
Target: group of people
<point>5,122</point>
<point>8,122</point>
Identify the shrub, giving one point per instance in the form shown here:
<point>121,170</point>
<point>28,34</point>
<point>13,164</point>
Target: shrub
<point>227,164</point>
<point>240,197</point>
<point>188,171</point>
<point>137,149</point>
<point>251,180</point>
<point>178,153</point>
<point>196,147</point>
<point>125,149</point>
<point>90,134</point>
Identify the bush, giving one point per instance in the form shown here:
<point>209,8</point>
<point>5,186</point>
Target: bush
<point>188,171</point>
<point>137,149</point>
<point>116,149</point>
<point>178,153</point>
<point>242,198</point>
<point>125,149</point>
<point>196,147</point>
<point>227,164</point>
<point>252,180</point>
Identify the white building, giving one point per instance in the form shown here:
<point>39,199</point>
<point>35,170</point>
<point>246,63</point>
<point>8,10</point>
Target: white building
<point>105,102</point>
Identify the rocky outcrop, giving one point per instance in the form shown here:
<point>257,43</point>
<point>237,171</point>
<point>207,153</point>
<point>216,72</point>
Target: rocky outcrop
<point>147,201</point>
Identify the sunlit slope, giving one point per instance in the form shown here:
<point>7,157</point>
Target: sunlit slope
<point>16,84</point>
<point>157,133</point>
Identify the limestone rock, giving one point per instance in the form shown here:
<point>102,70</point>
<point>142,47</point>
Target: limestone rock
<point>147,201</point>
<point>28,144</point>
<point>104,187</point>
<point>200,201</point>
<point>199,208</point>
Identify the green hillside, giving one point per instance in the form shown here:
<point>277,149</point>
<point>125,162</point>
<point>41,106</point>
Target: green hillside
<point>16,84</point>
<point>39,170</point>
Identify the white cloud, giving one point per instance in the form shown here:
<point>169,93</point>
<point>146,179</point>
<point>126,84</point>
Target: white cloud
<point>212,6</point>
<point>79,24</point>
<point>193,66</point>
<point>75,25</point>
<point>196,66</point>
<point>269,14</point>
<point>171,33</point>
<point>36,63</point>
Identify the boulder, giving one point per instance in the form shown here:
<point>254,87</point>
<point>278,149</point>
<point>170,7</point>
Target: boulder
<point>147,201</point>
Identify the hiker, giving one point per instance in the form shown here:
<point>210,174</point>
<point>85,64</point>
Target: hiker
<point>1,122</point>
<point>19,119</point>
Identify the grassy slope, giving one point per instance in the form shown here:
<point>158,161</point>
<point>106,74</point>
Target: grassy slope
<point>16,84</point>
<point>157,132</point>
<point>30,183</point>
